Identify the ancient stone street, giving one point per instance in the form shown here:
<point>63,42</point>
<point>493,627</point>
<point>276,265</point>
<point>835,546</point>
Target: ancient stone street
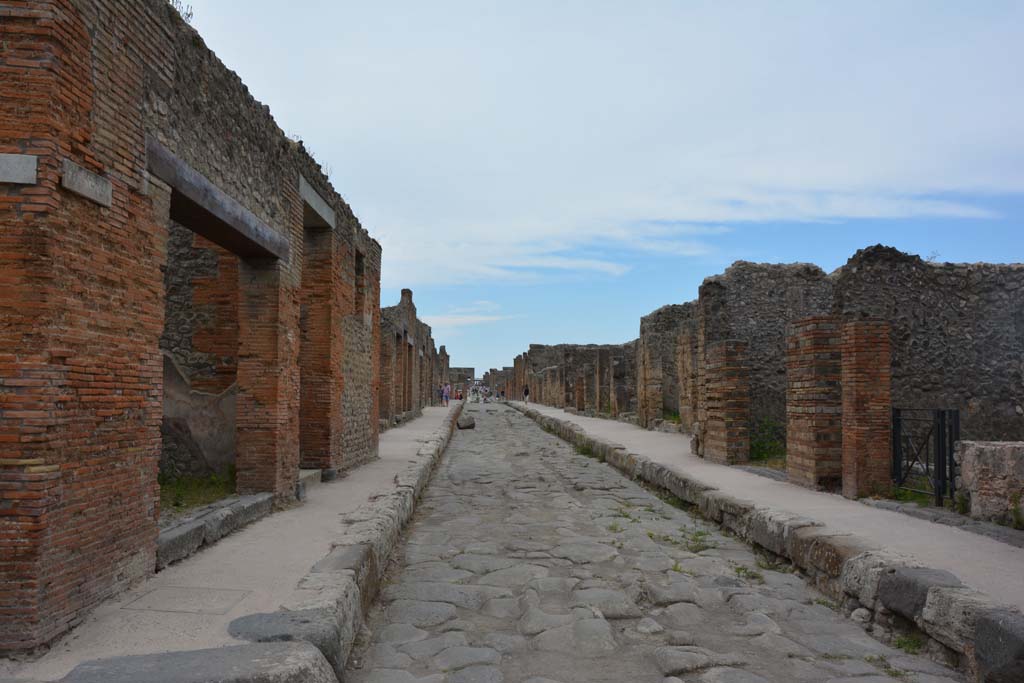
<point>529,562</point>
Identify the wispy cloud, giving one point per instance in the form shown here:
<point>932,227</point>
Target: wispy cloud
<point>460,320</point>
<point>530,140</point>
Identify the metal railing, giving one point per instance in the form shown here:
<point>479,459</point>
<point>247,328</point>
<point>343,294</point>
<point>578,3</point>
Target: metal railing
<point>922,451</point>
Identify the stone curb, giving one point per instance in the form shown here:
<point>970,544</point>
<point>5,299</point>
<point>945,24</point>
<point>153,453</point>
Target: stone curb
<point>899,593</point>
<point>187,537</point>
<point>256,663</point>
<point>328,607</point>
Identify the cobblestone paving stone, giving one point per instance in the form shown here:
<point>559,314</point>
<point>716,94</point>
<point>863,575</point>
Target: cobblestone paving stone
<point>530,563</point>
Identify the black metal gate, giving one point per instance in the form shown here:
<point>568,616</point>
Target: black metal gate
<point>922,451</point>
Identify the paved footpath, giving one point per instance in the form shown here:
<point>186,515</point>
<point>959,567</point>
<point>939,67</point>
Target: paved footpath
<point>527,562</point>
<point>190,604</point>
<point>985,564</point>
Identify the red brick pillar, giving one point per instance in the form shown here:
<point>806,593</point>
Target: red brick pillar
<point>814,403</point>
<point>727,433</point>
<point>867,407</point>
<point>267,438</point>
<point>320,352</point>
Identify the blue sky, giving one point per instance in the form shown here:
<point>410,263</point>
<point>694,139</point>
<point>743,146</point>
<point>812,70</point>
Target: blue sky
<point>548,172</point>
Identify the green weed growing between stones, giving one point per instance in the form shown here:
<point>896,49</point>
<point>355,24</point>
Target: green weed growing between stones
<point>910,644</point>
<point>184,493</point>
<point>768,441</point>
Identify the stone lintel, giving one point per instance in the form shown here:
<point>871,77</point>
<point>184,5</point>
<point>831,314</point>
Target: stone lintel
<point>207,210</point>
<point>316,212</point>
<point>18,169</point>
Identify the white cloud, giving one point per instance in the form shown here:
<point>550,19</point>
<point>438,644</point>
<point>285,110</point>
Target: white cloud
<point>498,141</point>
<point>460,320</point>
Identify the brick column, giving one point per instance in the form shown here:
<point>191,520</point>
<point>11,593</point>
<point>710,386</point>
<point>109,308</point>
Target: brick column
<point>867,407</point>
<point>589,387</point>
<point>686,357</point>
<point>268,455</point>
<point>814,403</point>
<point>727,432</point>
<point>320,352</point>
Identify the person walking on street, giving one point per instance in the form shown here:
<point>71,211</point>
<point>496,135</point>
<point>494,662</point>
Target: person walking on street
<point>526,394</point>
<point>446,393</point>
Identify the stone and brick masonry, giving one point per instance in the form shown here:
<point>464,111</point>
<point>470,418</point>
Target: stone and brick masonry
<point>159,224</point>
<point>411,370</point>
<point>786,354</point>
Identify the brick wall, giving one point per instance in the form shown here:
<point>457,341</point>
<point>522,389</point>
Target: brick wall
<point>867,407</point>
<point>410,362</point>
<point>814,403</point>
<point>686,370</point>
<point>83,295</point>
<point>726,436</point>
<point>201,309</point>
<point>659,384</point>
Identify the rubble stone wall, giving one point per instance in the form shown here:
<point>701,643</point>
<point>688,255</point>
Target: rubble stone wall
<point>754,303</point>
<point>991,477</point>
<point>957,334</point>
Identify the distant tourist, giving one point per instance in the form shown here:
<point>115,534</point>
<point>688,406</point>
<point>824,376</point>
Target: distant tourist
<point>526,394</point>
<point>446,393</point>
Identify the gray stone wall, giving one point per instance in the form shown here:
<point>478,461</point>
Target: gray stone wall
<point>957,334</point>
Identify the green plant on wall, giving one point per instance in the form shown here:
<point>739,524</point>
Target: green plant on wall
<point>768,440</point>
<point>1016,514</point>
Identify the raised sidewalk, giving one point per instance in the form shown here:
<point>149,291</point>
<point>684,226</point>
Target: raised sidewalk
<point>258,569</point>
<point>856,550</point>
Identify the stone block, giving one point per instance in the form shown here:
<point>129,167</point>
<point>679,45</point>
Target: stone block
<point>772,529</point>
<point>18,169</point>
<point>318,627</point>
<point>256,663</point>
<point>860,574</point>
<point>904,590</point>
<point>466,422</point>
<point>87,184</point>
<point>999,646</point>
<point>179,542</point>
<point>950,615</point>
<point>992,474</point>
<point>819,548</point>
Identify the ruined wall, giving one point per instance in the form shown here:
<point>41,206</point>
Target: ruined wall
<point>624,379</point>
<point>409,363</point>
<point>658,384</point>
<point>754,303</point>
<point>361,330</point>
<point>991,478</point>
<point>461,378</point>
<point>686,371</point>
<point>91,89</point>
<point>957,334</point>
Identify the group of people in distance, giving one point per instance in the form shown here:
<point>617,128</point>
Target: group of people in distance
<point>478,393</point>
<point>444,394</point>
